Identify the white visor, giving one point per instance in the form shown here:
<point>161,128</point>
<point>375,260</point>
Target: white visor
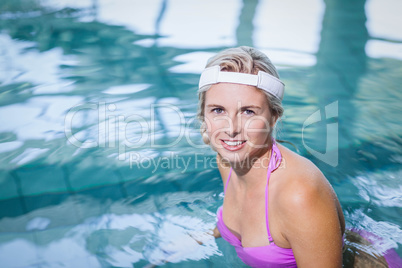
<point>263,80</point>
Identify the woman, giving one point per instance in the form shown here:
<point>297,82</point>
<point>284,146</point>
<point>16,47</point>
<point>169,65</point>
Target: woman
<point>279,209</point>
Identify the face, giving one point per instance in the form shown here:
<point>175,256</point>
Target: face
<point>238,121</point>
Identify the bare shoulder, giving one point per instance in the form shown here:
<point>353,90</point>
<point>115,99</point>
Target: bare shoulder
<point>224,168</point>
<point>298,167</point>
<point>309,212</point>
<point>301,181</point>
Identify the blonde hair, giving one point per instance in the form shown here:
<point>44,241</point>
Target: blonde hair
<point>241,60</point>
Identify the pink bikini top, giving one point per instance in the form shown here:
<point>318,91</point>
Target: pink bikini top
<point>265,256</point>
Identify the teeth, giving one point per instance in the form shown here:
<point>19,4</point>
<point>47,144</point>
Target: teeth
<point>233,143</point>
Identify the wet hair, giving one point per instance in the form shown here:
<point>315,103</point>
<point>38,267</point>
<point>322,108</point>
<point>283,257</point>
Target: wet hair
<point>241,60</point>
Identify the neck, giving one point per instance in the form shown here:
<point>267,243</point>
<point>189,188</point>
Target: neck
<point>253,167</point>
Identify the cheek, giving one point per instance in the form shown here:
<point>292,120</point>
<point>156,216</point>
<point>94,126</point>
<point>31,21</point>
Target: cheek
<point>209,124</point>
<point>212,127</point>
<point>215,124</point>
<point>257,129</point>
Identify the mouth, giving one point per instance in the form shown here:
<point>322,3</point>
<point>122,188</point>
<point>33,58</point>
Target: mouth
<point>233,145</point>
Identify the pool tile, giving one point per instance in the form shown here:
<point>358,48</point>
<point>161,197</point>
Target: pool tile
<point>41,179</point>
<point>83,176</point>
<point>8,187</point>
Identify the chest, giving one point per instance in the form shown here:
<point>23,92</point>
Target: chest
<point>244,214</point>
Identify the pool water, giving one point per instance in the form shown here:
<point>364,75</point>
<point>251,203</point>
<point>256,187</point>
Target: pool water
<point>101,160</point>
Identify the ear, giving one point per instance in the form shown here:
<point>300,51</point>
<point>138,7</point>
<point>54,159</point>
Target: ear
<point>203,130</point>
<point>205,138</point>
<point>274,119</point>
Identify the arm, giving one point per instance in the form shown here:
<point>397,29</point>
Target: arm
<point>224,169</point>
<point>216,232</point>
<point>313,227</point>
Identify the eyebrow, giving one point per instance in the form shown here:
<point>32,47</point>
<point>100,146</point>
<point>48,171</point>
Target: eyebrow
<point>243,107</point>
<point>214,105</point>
<point>250,106</point>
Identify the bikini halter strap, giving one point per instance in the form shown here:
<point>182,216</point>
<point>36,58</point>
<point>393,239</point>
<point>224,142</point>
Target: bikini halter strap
<point>274,163</point>
<point>227,181</point>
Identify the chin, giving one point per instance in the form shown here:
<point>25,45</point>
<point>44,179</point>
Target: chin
<point>233,157</point>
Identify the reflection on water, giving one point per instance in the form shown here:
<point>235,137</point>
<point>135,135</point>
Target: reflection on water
<point>115,239</point>
<point>102,163</point>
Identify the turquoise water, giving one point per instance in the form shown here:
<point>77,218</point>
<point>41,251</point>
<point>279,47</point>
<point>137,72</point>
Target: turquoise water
<point>102,164</point>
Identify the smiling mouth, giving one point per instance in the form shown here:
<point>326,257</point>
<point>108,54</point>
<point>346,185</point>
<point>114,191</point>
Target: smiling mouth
<point>233,145</point>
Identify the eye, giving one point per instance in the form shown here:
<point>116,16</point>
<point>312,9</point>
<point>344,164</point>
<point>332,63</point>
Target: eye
<point>217,110</point>
<point>248,112</point>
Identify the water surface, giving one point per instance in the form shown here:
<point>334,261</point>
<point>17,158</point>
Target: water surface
<point>102,164</point>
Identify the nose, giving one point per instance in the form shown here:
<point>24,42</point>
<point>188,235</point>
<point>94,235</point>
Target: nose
<point>234,127</point>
